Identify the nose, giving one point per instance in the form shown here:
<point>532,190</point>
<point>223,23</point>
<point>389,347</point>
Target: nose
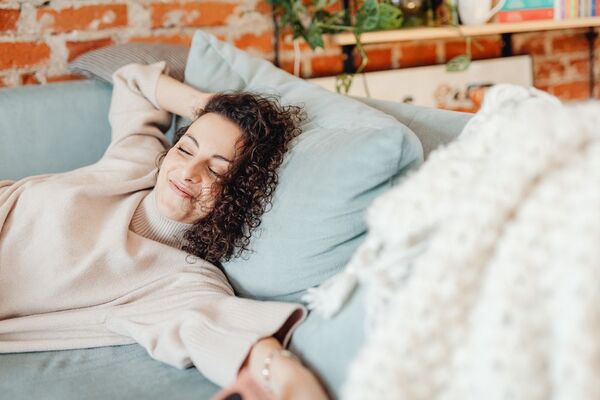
<point>191,173</point>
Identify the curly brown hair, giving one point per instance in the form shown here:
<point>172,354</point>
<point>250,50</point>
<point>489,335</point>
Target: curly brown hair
<point>245,192</point>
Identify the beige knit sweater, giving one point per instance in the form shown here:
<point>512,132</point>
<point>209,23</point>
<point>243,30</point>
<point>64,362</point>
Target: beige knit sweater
<point>86,259</point>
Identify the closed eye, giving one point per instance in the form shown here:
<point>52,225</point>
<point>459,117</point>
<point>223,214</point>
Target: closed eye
<point>214,173</point>
<point>182,150</point>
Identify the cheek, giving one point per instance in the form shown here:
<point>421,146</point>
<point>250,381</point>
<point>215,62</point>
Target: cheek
<point>169,162</point>
<point>166,165</point>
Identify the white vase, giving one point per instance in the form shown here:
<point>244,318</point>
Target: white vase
<point>477,12</point>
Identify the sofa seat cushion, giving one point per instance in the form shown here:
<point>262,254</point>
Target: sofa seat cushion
<point>115,372</point>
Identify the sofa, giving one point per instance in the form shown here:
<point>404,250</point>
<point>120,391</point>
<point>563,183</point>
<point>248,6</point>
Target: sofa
<point>62,126</point>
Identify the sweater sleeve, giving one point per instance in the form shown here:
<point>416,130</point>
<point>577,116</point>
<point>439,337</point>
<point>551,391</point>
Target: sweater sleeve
<point>214,332</point>
<point>138,124</point>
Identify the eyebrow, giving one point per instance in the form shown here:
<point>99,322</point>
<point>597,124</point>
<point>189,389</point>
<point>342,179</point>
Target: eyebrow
<point>198,146</point>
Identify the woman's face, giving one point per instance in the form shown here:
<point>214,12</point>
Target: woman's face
<point>203,154</point>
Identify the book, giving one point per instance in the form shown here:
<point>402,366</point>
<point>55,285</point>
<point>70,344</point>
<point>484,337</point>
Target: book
<point>511,5</point>
<point>558,10</point>
<point>525,15</point>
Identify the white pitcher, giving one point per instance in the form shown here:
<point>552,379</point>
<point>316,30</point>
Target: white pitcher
<point>477,12</point>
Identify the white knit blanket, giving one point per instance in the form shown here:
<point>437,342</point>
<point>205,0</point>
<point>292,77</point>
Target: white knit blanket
<point>483,267</point>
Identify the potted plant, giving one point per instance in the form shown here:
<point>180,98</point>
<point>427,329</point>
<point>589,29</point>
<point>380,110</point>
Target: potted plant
<point>311,19</point>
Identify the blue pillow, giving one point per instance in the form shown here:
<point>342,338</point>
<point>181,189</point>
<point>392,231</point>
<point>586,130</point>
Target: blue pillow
<point>347,155</point>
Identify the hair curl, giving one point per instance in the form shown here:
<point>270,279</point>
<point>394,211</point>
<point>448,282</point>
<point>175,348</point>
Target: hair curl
<point>245,191</point>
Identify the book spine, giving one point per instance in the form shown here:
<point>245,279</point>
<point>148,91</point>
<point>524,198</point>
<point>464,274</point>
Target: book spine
<point>558,9</point>
<point>511,5</point>
<point>526,15</point>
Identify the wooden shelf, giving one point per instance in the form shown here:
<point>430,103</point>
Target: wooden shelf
<point>401,35</point>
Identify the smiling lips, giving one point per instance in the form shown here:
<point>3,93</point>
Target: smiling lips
<point>180,191</point>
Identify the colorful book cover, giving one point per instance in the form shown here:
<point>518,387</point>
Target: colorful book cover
<point>527,4</point>
<point>525,15</point>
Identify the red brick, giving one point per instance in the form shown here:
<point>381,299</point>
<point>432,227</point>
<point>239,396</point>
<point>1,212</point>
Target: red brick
<point>581,66</point>
<point>487,48</point>
<point>569,44</point>
<point>2,82</point>
<point>286,43</point>
<point>378,59</point>
<point>417,53</point>
<point>288,65</point>
<point>327,65</point>
<point>92,17</point>
<point>263,7</point>
<point>8,19</point>
<point>334,7</point>
<point>80,47</point>
<point>597,91</point>
<point>262,42</point>
<point>534,44</point>
<point>569,91</point>
<point>548,69</point>
<point>23,54</point>
<point>173,39</point>
<point>480,48</point>
<point>65,77</point>
<point>29,78</point>
<point>190,14</point>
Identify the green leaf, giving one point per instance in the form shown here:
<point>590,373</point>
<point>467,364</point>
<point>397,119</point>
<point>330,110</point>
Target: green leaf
<point>314,36</point>
<point>458,63</point>
<point>391,17</point>
<point>321,4</point>
<point>343,82</point>
<point>367,17</point>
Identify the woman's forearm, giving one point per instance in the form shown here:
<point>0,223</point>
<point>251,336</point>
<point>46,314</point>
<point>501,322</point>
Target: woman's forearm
<point>288,378</point>
<point>179,98</point>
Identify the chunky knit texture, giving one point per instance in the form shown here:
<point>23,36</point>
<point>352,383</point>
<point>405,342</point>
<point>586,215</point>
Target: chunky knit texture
<point>483,267</point>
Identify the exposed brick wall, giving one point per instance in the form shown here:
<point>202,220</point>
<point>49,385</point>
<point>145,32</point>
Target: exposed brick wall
<point>38,38</point>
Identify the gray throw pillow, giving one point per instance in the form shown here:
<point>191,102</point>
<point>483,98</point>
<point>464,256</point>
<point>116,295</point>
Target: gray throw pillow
<point>101,63</point>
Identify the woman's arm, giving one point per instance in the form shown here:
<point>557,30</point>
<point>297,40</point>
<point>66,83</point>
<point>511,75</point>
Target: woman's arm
<point>142,102</point>
<point>287,378</point>
<point>179,98</point>
<point>270,373</point>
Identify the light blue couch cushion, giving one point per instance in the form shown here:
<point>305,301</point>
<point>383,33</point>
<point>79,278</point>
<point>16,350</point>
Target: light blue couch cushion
<point>433,127</point>
<point>52,128</point>
<point>346,156</point>
<point>116,373</point>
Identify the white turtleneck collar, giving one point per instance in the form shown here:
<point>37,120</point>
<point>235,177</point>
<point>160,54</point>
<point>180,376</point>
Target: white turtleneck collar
<point>148,222</point>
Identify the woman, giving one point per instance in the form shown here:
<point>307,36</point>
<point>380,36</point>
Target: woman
<point>118,252</point>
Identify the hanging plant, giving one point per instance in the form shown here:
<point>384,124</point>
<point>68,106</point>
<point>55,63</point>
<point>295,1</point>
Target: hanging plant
<point>311,19</point>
